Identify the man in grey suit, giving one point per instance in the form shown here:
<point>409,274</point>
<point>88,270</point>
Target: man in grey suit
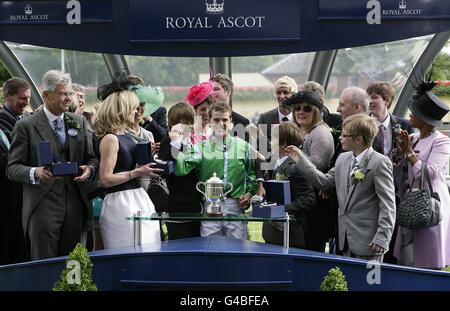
<point>55,209</point>
<point>364,186</point>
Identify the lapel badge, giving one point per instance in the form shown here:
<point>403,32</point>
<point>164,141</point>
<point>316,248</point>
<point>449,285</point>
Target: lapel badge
<point>72,132</point>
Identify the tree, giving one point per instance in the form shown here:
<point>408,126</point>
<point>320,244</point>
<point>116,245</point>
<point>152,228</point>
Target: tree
<point>4,74</point>
<point>334,281</point>
<point>78,274</point>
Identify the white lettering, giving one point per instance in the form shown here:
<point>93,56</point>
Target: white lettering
<point>39,17</point>
<point>229,22</point>
<point>74,275</point>
<point>374,15</point>
<point>198,23</point>
<point>374,275</point>
<point>259,18</point>
<point>190,20</point>
<point>169,21</point>
<point>247,24</point>
<point>74,15</point>
<point>193,301</point>
<point>206,23</point>
<point>180,25</point>
<point>236,22</point>
<point>222,23</point>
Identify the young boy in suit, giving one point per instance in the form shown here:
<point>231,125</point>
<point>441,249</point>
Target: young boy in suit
<point>364,186</point>
<point>302,192</point>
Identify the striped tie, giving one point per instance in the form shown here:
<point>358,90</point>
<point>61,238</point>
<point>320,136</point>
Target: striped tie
<point>382,137</point>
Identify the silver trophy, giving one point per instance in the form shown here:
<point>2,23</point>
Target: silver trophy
<point>214,193</point>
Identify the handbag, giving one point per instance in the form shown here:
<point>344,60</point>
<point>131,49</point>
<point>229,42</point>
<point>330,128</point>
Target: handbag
<point>420,208</point>
<point>159,194</point>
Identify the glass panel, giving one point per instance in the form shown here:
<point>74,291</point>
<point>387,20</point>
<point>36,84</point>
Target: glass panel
<point>174,74</point>
<point>441,71</point>
<point>254,77</point>
<point>88,69</point>
<point>201,217</point>
<point>359,66</point>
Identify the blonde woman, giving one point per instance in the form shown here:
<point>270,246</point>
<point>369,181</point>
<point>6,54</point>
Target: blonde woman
<point>118,172</point>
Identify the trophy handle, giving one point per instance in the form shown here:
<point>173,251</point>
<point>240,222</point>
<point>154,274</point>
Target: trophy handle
<point>231,188</point>
<point>198,189</point>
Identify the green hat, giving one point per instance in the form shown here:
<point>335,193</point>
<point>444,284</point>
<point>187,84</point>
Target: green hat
<point>152,97</point>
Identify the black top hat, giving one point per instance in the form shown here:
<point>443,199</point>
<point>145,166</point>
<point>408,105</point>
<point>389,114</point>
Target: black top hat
<point>429,108</point>
<point>307,97</point>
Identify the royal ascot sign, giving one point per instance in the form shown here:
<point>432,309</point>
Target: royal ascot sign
<point>55,12</point>
<point>386,9</point>
<point>214,20</point>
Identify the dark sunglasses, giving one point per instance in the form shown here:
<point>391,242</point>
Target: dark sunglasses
<point>304,108</point>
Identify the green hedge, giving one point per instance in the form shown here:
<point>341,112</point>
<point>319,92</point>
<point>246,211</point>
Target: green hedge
<point>442,91</point>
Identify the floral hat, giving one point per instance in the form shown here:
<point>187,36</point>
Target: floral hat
<point>199,93</point>
<point>152,97</point>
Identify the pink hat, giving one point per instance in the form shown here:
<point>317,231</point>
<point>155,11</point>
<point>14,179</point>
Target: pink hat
<point>199,93</point>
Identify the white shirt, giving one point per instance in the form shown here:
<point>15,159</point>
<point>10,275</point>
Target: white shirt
<point>281,116</point>
<point>280,161</point>
<point>51,117</point>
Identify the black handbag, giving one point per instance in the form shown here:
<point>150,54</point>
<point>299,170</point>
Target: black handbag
<point>420,208</point>
<point>159,194</point>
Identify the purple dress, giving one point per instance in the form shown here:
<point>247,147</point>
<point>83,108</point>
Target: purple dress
<point>428,247</point>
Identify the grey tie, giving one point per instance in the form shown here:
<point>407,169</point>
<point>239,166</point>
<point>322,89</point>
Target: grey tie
<point>58,127</point>
<point>353,165</point>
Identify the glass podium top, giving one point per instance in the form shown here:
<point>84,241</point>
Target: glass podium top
<point>200,217</point>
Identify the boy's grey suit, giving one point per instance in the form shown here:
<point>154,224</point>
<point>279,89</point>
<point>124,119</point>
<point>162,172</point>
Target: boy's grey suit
<point>366,208</point>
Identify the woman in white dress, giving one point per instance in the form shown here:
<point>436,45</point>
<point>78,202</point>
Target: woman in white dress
<point>118,172</point>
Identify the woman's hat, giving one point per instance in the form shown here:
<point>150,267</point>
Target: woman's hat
<point>199,93</point>
<point>429,108</point>
<point>307,97</point>
<point>152,97</point>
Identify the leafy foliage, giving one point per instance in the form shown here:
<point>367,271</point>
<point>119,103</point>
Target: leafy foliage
<point>334,281</point>
<point>4,75</point>
<point>441,71</point>
<point>86,283</point>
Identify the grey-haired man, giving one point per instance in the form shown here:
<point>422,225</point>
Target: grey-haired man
<point>55,209</point>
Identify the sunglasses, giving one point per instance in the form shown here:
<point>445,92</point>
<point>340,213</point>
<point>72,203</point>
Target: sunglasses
<point>304,108</point>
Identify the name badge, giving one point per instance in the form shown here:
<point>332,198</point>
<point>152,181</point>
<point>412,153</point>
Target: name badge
<point>72,132</point>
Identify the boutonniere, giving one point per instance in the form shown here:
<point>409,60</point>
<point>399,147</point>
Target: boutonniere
<point>72,125</point>
<point>281,176</point>
<point>359,173</point>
